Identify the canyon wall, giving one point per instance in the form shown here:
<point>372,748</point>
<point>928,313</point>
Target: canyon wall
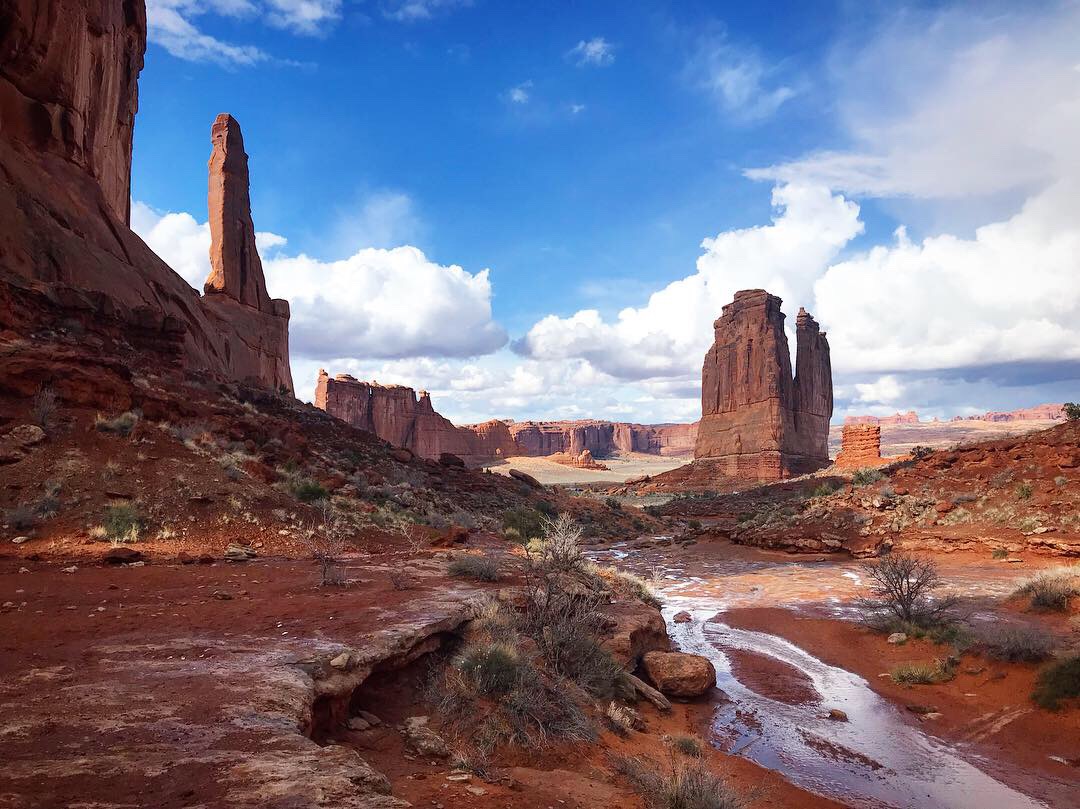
<point>68,96</point>
<point>396,414</point>
<point>758,421</point>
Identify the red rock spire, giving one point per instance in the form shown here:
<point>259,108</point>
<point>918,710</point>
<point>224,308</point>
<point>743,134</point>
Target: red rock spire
<point>235,267</point>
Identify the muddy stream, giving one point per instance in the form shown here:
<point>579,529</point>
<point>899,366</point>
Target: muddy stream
<point>880,757</point>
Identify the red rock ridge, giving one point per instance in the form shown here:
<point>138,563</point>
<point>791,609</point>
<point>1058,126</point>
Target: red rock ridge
<point>68,95</point>
<point>397,415</point>
<point>1043,412</point>
<point>758,421</point>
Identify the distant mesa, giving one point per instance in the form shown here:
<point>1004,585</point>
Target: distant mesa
<point>1044,412</point>
<point>758,421</point>
<point>400,416</point>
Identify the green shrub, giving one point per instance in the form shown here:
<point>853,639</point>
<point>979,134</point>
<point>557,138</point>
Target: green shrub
<point>123,522</point>
<point>694,525</point>
<point>825,489</point>
<point>306,490</point>
<point>613,503</point>
<point>1051,589</point>
<point>528,522</point>
<point>864,477</point>
<point>1071,411</point>
<point>999,553</point>
<point>1024,491</point>
<point>493,668</point>
<point>121,425</point>
<point>687,745</point>
<point>547,508</point>
<point>919,452</point>
<point>1058,681</point>
<point>477,568</point>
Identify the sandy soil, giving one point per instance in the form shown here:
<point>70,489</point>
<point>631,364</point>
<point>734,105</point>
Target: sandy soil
<point>622,468</point>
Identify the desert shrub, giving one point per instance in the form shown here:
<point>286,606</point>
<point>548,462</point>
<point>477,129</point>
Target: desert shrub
<point>922,673</point>
<point>123,522</point>
<point>305,489</point>
<point>687,745</point>
<point>694,525</point>
<point>547,508</point>
<point>1051,589</point>
<point>477,568</point>
<point>919,452</point>
<point>1024,491</point>
<point>902,588</point>
<point>1056,682</point>
<point>43,408</point>
<point>864,477</point>
<point>401,580</point>
<point>823,489</point>
<point>528,522</point>
<point>1060,481</point>
<point>1017,644</point>
<point>1071,411</point>
<point>613,503</point>
<point>685,785</point>
<point>324,539</point>
<point>493,668</point>
<point>622,718</point>
<point>121,425</point>
<point>21,517</point>
<point>999,553</point>
<point>627,585</point>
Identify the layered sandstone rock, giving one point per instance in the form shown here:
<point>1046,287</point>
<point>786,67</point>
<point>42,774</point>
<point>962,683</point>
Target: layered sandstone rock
<point>601,438</point>
<point>757,421</point>
<point>861,446</point>
<point>68,95</point>
<point>583,460</point>
<point>396,414</point>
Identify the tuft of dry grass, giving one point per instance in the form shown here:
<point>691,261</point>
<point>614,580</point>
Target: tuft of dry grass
<point>1052,588</point>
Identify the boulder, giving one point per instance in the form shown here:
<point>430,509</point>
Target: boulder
<point>122,556</point>
<point>526,478</point>
<point>682,617</point>
<point>677,674</point>
<point>451,460</point>
<point>423,739</point>
<point>17,442</point>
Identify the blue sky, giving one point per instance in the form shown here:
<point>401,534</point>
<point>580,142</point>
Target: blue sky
<point>581,156</point>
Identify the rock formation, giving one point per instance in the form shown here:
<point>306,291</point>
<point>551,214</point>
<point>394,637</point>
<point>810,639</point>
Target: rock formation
<point>861,446</point>
<point>910,417</point>
<point>1043,412</point>
<point>68,96</point>
<point>396,414</point>
<point>757,421</point>
<point>583,460</point>
<point>601,438</point>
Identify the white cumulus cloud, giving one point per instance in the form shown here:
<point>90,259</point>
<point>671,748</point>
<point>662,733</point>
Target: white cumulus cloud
<point>596,51</point>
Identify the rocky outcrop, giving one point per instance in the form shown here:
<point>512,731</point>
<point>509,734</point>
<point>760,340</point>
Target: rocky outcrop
<point>396,414</point>
<point>861,446</point>
<point>583,460</point>
<point>757,421</point>
<point>68,95</point>
<point>601,438</point>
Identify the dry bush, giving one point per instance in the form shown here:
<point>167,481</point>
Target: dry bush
<point>687,745</point>
<point>684,785</point>
<point>43,408</point>
<point>902,588</point>
<point>325,542</point>
<point>627,585</point>
<point>939,671</point>
<point>402,580</point>
<point>1051,589</point>
<point>21,517</point>
<point>1058,681</point>
<point>123,523</point>
<point>121,425</point>
<point>477,568</point>
<point>1014,643</point>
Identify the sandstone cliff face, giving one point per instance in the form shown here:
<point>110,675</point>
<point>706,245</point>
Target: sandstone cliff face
<point>601,438</point>
<point>68,96</point>
<point>396,414</point>
<point>758,421</point>
<point>861,446</point>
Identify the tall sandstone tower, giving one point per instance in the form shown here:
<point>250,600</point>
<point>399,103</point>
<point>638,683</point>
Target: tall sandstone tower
<point>757,422</point>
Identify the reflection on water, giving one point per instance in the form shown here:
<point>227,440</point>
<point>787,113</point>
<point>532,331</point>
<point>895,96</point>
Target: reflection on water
<point>879,758</point>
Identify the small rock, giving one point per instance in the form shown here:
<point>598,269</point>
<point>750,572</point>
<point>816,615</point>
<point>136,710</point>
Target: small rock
<point>8,605</point>
<point>932,715</point>
<point>897,638</point>
<point>423,739</point>
<point>221,595</point>
<point>922,710</point>
<point>370,718</point>
<point>356,723</point>
<point>239,553</point>
<point>340,662</point>
<point>19,540</point>
<point>459,777</point>
<point>122,556</point>
<point>71,569</point>
<point>24,570</point>
<point>478,791</point>
<point>683,617</point>
<point>836,715</point>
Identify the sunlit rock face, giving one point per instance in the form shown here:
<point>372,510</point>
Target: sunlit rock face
<point>758,421</point>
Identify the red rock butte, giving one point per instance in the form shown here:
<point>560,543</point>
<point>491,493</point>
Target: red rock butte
<point>861,447</point>
<point>68,96</point>
<point>757,421</point>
